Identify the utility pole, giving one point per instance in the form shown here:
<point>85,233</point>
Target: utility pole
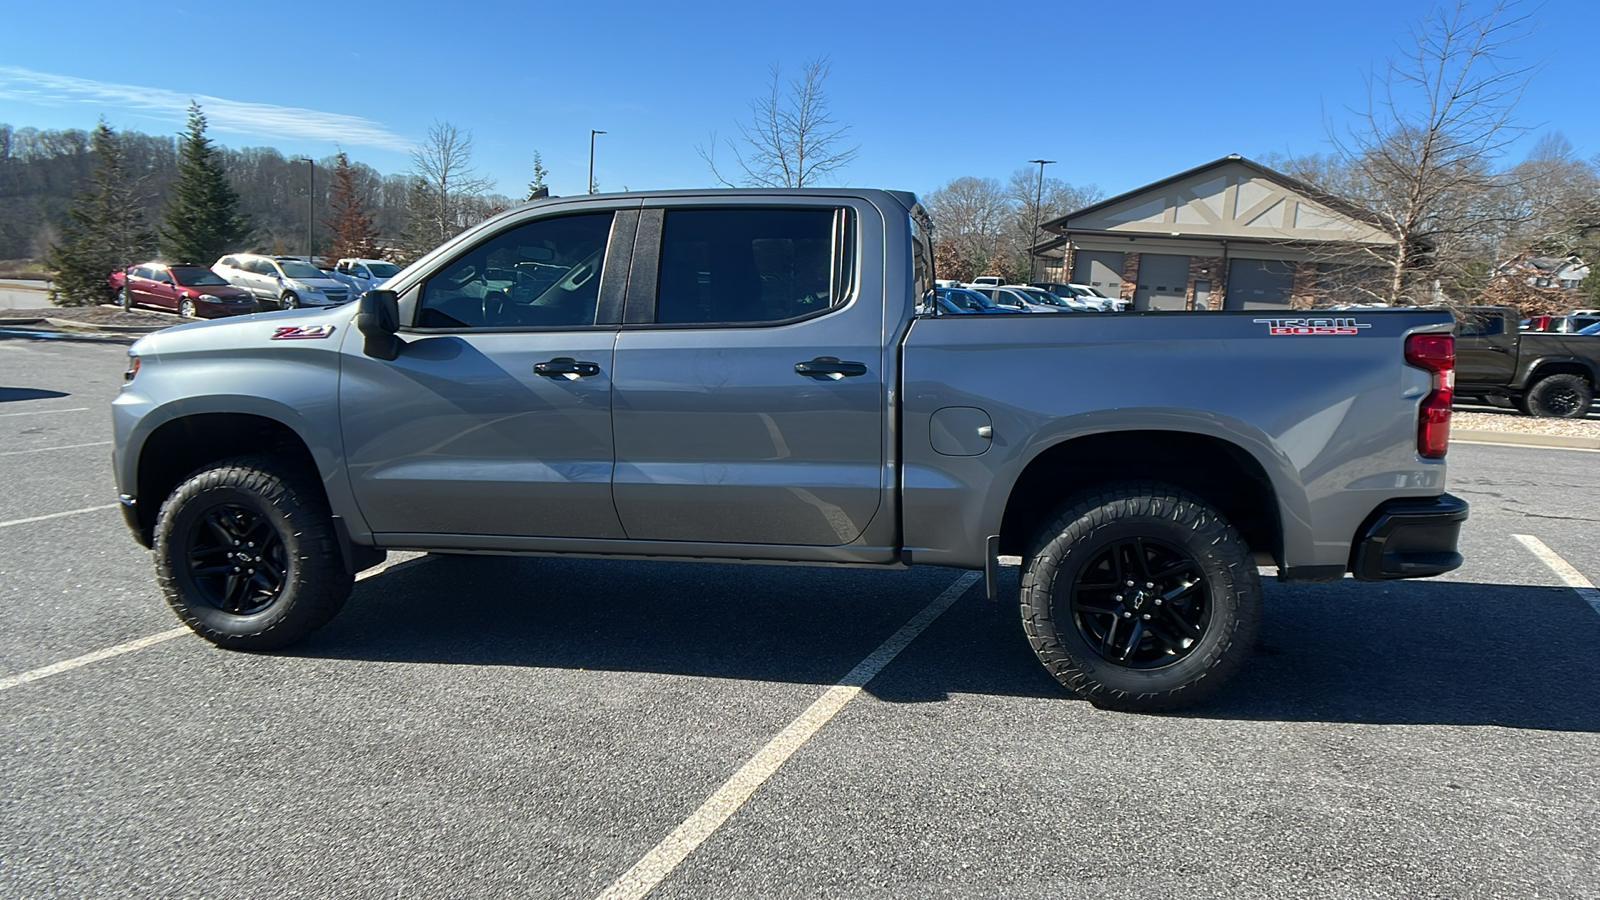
<point>1038,210</point>
<point>592,133</point>
<point>311,202</point>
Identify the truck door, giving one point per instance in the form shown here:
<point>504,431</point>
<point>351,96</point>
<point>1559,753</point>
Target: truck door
<point>749,384</point>
<point>496,417</point>
<point>1486,348</point>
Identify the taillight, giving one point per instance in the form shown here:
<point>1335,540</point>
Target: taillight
<point>1437,354</point>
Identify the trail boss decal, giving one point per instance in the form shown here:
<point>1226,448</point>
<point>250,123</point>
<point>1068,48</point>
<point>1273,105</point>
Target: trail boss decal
<point>1312,326</point>
<point>302,333</point>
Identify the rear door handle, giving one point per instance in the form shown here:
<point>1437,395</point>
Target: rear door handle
<point>830,367</point>
<point>566,366</point>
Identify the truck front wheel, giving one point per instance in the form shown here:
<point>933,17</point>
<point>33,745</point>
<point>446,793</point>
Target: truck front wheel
<point>247,556</point>
<point>1140,597</point>
<point>1562,396</point>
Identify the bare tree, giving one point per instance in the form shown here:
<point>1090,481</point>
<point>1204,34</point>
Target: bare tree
<point>446,191</point>
<point>1421,154</point>
<point>984,227</point>
<point>791,139</point>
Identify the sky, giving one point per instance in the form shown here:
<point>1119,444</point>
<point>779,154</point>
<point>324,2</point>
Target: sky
<point>1119,94</point>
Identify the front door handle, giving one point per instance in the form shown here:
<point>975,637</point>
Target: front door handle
<point>566,366</point>
<point>830,367</point>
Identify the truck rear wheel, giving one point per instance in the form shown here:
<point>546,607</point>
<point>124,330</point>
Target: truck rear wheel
<point>1140,597</point>
<point>1561,396</point>
<point>247,556</point>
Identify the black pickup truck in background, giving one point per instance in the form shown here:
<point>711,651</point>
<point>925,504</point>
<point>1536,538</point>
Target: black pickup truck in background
<point>1541,373</point>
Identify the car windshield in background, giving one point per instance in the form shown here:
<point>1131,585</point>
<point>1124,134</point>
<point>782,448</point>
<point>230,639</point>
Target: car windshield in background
<point>297,269</point>
<point>1592,329</point>
<point>383,270</point>
<point>196,277</point>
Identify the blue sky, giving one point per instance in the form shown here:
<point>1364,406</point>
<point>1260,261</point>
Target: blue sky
<point>1120,93</point>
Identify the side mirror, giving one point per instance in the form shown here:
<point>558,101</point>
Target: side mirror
<point>379,323</point>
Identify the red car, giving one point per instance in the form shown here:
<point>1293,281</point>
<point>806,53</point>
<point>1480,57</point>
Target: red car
<point>190,291</point>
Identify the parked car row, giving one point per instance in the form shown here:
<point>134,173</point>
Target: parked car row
<point>985,295</point>
<point>242,283</point>
<point>1575,322</point>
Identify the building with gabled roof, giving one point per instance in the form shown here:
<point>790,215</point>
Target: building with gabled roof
<point>1231,234</point>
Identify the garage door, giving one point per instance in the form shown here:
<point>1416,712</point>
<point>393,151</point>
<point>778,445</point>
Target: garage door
<point>1099,269</point>
<point>1258,284</point>
<point>1163,282</point>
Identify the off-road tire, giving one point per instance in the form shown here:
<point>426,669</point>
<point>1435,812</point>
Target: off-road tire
<point>1077,546</point>
<point>291,516</point>
<point>1560,396</point>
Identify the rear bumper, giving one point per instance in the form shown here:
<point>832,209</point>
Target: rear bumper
<point>1411,538</point>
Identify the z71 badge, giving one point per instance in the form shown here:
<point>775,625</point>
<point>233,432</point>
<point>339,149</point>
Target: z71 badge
<point>1312,326</point>
<point>302,333</point>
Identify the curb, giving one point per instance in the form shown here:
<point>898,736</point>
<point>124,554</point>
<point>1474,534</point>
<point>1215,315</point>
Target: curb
<point>1520,439</point>
<point>53,335</point>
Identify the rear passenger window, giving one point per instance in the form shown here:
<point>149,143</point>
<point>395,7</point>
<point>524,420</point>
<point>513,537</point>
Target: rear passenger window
<point>730,266</point>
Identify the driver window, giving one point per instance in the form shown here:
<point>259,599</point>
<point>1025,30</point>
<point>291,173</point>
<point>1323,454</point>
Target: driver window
<point>544,273</point>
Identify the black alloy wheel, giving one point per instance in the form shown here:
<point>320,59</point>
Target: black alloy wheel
<point>1563,396</point>
<point>1140,596</point>
<point>246,552</point>
<point>237,561</point>
<point>1141,603</point>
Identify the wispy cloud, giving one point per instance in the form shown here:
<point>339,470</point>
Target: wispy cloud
<point>261,119</point>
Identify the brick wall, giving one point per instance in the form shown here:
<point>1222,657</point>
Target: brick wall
<point>1205,268</point>
<point>1130,275</point>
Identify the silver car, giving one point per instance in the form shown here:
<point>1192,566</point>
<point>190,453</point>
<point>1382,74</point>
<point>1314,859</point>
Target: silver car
<point>282,281</point>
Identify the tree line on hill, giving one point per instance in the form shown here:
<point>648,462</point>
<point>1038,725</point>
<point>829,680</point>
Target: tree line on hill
<point>91,202</point>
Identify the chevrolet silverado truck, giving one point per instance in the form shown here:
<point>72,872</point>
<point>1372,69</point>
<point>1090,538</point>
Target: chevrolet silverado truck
<point>762,376</point>
<point>1541,373</point>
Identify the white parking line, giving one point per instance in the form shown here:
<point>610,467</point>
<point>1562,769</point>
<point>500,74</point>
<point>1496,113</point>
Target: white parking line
<point>1563,569</point>
<point>70,512</point>
<point>45,412</point>
<point>48,449</point>
<point>659,862</point>
<point>150,640</point>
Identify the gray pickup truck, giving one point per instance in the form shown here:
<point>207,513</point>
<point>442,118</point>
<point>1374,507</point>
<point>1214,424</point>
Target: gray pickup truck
<point>760,376</point>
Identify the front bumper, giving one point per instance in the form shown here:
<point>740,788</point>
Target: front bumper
<point>1410,538</point>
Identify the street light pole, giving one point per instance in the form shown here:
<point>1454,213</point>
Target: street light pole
<point>1038,210</point>
<point>311,203</point>
<point>592,133</point>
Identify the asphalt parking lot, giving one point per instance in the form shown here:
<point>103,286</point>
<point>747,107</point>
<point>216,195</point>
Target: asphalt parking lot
<point>555,728</point>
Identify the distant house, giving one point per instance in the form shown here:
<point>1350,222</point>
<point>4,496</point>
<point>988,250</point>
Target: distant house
<point>1557,272</point>
<point>1231,234</point>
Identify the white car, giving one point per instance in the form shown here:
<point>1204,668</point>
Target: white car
<point>363,275</point>
<point>282,281</point>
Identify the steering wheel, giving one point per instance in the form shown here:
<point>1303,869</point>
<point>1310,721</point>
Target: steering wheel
<point>496,309</point>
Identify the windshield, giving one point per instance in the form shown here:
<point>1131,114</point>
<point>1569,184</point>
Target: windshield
<point>1094,292</point>
<point>1035,295</point>
<point>968,300</point>
<point>294,268</point>
<point>1592,329</point>
<point>383,270</point>
<point>196,277</point>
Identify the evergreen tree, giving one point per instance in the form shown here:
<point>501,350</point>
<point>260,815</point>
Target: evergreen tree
<point>537,188</point>
<point>354,234</point>
<point>106,227</point>
<point>201,220</point>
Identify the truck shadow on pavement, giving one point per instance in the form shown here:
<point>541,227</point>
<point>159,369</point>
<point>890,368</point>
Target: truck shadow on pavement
<point>10,394</point>
<point>1422,652</point>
